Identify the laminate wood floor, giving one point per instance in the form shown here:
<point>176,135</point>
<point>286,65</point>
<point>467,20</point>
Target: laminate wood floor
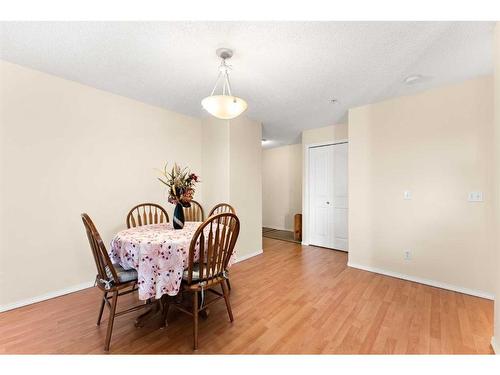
<point>292,299</point>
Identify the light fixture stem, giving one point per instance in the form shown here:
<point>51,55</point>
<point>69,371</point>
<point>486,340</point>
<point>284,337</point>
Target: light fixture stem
<point>228,84</point>
<point>224,84</point>
<point>216,83</point>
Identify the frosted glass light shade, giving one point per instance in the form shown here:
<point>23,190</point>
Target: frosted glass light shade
<point>224,107</point>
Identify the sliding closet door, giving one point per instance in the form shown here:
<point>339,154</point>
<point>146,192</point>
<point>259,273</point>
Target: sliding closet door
<point>328,196</point>
<point>320,195</point>
<point>339,202</point>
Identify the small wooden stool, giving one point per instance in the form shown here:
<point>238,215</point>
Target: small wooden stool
<point>297,232</point>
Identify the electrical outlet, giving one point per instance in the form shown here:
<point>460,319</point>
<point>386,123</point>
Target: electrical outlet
<point>407,255</point>
<point>407,195</point>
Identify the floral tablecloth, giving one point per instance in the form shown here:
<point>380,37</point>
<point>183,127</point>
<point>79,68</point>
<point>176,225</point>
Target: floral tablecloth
<point>158,252</point>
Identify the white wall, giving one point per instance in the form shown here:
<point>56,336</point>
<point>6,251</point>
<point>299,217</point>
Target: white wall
<point>438,145</point>
<point>66,148</point>
<point>281,186</point>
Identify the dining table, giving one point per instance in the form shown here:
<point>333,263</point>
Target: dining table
<point>160,255</point>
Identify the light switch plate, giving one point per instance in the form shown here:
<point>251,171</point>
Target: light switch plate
<point>475,196</point>
<point>407,195</point>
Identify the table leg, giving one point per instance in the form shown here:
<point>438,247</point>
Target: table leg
<point>165,304</point>
<point>158,312</point>
<point>139,321</point>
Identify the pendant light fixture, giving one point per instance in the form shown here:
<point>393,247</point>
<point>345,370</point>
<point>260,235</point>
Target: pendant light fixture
<point>224,106</point>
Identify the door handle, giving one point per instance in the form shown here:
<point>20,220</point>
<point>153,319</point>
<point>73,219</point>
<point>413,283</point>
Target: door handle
<point>327,202</point>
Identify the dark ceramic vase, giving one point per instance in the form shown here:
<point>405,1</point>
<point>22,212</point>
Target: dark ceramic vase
<point>178,220</point>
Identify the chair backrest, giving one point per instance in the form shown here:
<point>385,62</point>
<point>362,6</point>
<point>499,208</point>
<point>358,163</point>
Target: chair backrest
<point>222,208</point>
<point>105,270</point>
<point>215,239</point>
<point>145,214</point>
<point>194,213</point>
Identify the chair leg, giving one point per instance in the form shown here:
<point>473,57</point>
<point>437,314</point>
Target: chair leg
<point>111,319</point>
<point>195,320</point>
<point>203,313</point>
<point>226,298</point>
<point>228,284</point>
<point>102,308</point>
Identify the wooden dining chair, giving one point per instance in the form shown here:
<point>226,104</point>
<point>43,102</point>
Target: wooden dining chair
<point>145,214</point>
<point>194,213</point>
<point>112,279</point>
<point>221,208</point>
<point>215,239</point>
<point>218,209</point>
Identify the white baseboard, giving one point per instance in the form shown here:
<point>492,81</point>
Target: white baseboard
<point>438,284</point>
<point>46,296</point>
<point>247,256</point>
<point>494,345</point>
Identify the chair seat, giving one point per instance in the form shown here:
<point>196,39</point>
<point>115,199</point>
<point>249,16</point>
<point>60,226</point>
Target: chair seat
<point>196,273</point>
<point>124,276</point>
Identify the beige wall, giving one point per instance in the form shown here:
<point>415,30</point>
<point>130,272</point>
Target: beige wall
<point>246,183</point>
<point>438,145</point>
<point>281,186</point>
<point>332,133</point>
<point>66,148</point>
<point>496,140</point>
<point>215,161</point>
<point>233,174</point>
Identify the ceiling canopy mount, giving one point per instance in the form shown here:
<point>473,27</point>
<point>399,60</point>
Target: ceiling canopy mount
<point>224,53</point>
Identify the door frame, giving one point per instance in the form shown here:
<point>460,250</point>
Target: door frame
<point>305,186</point>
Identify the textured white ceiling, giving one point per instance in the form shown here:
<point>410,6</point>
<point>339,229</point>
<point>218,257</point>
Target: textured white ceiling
<point>287,71</point>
